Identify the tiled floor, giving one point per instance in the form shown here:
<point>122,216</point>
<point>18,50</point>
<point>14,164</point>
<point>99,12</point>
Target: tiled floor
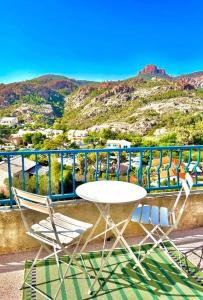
<point>11,266</point>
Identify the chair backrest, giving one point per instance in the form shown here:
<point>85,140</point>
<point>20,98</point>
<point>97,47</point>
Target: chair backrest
<point>32,201</point>
<point>187,184</point>
<point>39,203</point>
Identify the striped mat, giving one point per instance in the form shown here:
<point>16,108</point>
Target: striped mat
<point>119,280</point>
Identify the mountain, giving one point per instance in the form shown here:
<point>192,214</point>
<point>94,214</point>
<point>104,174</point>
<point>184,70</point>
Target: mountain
<point>195,79</point>
<point>53,77</point>
<point>192,75</point>
<point>136,106</point>
<point>152,70</point>
<point>47,87</point>
<point>139,105</point>
<point>41,98</point>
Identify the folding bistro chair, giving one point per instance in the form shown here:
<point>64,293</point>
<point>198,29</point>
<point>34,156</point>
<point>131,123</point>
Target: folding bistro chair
<point>163,220</point>
<point>57,232</point>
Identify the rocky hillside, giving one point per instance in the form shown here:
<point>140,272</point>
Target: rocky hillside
<point>43,95</point>
<point>47,87</point>
<point>136,105</point>
<point>140,105</point>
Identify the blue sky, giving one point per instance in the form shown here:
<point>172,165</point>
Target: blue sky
<point>99,40</point>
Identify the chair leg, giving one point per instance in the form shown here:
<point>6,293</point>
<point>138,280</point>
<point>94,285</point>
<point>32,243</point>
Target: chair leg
<point>72,258</point>
<point>33,264</point>
<point>165,237</point>
<point>149,234</point>
<point>174,262</point>
<point>146,237</point>
<point>58,265</point>
<point>157,244</point>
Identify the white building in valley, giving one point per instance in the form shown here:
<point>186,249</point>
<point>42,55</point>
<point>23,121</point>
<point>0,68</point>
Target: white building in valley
<point>159,131</point>
<point>47,132</point>
<point>77,134</point>
<point>9,121</point>
<point>118,144</point>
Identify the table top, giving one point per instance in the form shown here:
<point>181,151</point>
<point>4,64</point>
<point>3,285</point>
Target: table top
<point>112,192</point>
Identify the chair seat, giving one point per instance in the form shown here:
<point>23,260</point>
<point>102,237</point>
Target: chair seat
<point>67,228</point>
<point>155,215</point>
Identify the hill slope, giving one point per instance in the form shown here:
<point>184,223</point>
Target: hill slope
<point>135,105</point>
<point>45,86</point>
<point>42,95</point>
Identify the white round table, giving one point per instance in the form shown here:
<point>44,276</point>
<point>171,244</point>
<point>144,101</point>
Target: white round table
<point>103,194</point>
<point>111,192</point>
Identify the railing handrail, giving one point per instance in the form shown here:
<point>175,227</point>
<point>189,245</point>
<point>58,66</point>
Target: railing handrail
<point>78,151</point>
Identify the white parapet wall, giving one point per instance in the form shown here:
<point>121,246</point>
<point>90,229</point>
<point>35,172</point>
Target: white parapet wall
<point>14,239</point>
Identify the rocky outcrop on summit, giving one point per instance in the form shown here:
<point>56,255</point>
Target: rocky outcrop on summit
<point>153,70</point>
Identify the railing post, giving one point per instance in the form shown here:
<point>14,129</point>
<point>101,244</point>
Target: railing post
<point>118,166</point>
<point>158,169</point>
<point>23,174</point>
<point>148,170</point>
<point>196,165</point>
<point>73,174</point>
<point>168,168</point>
<point>97,165</point>
<point>85,168</point>
<point>36,176</point>
<point>129,166</point>
<point>62,178</point>
<point>10,182</point>
<point>107,165</point>
<point>49,175</point>
<point>140,170</point>
<point>178,167</point>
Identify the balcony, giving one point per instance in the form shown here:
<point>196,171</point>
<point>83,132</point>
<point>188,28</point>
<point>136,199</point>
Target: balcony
<point>56,173</point>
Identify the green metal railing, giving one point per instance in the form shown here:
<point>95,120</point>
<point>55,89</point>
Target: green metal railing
<point>155,168</point>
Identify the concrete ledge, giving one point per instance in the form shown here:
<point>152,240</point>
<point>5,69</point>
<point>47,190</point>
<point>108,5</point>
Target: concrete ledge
<point>14,239</point>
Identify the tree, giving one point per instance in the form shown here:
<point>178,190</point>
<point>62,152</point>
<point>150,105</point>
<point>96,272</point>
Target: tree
<point>38,138</point>
<point>43,185</point>
<point>92,158</point>
<point>92,138</point>
<point>136,140</point>
<point>55,175</point>
<point>67,182</point>
<point>108,134</point>
<point>197,137</point>
<point>81,160</point>
<point>73,145</point>
<point>168,139</point>
<point>27,138</point>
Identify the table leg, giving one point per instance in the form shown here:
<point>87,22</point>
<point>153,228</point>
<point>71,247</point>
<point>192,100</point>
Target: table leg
<point>119,238</point>
<point>89,238</point>
<point>124,243</point>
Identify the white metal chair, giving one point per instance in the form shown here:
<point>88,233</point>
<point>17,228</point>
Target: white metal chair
<point>163,220</point>
<point>57,232</point>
